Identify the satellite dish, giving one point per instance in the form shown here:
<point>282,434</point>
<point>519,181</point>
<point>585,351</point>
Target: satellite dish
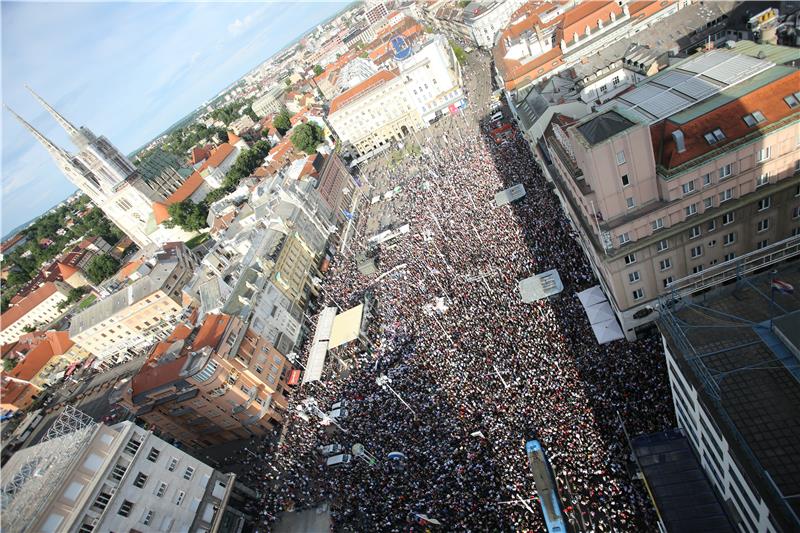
<point>357,449</point>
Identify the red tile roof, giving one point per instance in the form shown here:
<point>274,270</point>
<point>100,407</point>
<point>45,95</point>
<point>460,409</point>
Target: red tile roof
<point>219,155</point>
<point>153,377</point>
<point>587,14</point>
<point>129,268</point>
<point>27,304</point>
<point>365,86</point>
<point>211,331</point>
<point>729,118</point>
<point>233,138</point>
<point>52,344</point>
<point>160,212</point>
<point>186,190</point>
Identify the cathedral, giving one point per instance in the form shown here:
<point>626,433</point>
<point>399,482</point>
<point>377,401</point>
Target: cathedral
<point>112,182</point>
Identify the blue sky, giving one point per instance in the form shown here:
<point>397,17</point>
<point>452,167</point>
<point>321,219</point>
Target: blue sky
<point>125,70</point>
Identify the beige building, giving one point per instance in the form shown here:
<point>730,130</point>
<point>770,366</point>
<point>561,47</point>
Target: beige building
<point>693,168</point>
<point>144,310</point>
<point>374,113</point>
<point>88,477</point>
<point>37,309</point>
<point>294,267</point>
<point>208,385</point>
<point>268,103</point>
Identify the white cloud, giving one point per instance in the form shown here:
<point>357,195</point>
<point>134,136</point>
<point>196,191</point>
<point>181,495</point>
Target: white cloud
<point>238,26</point>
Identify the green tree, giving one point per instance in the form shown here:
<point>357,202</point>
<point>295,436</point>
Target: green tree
<point>101,267</point>
<point>283,121</point>
<point>188,215</point>
<point>9,364</point>
<point>74,295</point>
<point>459,52</point>
<point>307,137</point>
<point>318,70</point>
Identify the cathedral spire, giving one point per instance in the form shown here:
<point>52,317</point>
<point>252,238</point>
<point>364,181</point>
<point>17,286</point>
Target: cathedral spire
<point>54,150</point>
<point>74,133</point>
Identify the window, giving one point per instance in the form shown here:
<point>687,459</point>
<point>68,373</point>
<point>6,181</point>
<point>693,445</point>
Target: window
<point>133,445</point>
<point>688,187</point>
<point>694,232</point>
<point>141,479</point>
<point>615,81</point>
<point>630,203</point>
<point>796,212</point>
<point>118,472</point>
<point>125,508</point>
<point>657,224</point>
<point>792,101</point>
<point>697,269</point>
<point>764,154</point>
<point>691,210</point>
<point>630,259</point>
<point>259,369</point>
<point>713,137</point>
<point>712,243</point>
<point>625,180</point>
<point>665,264</point>
<point>173,462</point>
<point>188,473</point>
<point>620,157</point>
<point>729,239</point>
<point>763,225</point>
<point>638,294</point>
<point>762,180</point>
<point>725,195</point>
<point>161,490</point>
<point>706,180</point>
<point>633,277</point>
<point>729,257</point>
<point>697,251</point>
<point>762,244</point>
<point>764,203</point>
<point>153,455</point>
<point>667,281</point>
<point>179,497</point>
<point>756,117</point>
<point>147,517</point>
<point>708,203</point>
<point>624,238</point>
<point>712,225</point>
<point>662,245</point>
<point>727,218</point>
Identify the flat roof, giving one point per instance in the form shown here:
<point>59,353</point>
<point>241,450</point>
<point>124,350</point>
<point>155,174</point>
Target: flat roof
<point>604,126</point>
<point>680,489</point>
<point>726,347</point>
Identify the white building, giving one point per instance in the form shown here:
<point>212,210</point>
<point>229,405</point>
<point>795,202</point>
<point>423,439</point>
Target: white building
<point>37,309</point>
<point>242,124</point>
<point>486,18</point>
<point>268,103</point>
<point>88,477</point>
<point>432,77</point>
<point>101,171</point>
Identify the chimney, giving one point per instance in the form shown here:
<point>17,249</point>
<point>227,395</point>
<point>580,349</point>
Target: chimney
<point>677,135</point>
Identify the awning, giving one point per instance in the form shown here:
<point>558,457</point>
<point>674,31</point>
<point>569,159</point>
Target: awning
<point>294,377</point>
<point>600,314</point>
<point>319,345</point>
<point>346,326</point>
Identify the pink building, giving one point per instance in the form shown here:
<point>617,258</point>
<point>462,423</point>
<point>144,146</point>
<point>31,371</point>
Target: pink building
<point>693,167</point>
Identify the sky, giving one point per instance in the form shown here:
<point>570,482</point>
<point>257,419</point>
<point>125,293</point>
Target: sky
<point>125,70</point>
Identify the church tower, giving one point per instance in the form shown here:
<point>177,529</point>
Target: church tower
<point>104,174</point>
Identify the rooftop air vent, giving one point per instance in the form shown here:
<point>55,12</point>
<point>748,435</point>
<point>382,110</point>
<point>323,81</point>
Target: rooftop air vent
<point>680,144</point>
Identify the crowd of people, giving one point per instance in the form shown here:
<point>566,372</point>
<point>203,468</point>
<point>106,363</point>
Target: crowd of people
<point>479,372</point>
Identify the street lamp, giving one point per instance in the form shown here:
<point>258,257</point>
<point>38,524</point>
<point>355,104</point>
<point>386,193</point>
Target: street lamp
<point>309,405</point>
<point>385,382</point>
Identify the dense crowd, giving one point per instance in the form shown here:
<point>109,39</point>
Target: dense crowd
<point>481,371</point>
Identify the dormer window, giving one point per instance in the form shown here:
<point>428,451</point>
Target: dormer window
<point>715,136</point>
<point>756,117</point>
<point>793,100</point>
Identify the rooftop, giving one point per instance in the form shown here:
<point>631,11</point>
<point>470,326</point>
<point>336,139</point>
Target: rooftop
<point>604,126</point>
<point>361,89</point>
<point>746,377</point>
<point>30,302</point>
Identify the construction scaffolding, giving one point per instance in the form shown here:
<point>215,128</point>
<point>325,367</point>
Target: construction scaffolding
<point>32,475</point>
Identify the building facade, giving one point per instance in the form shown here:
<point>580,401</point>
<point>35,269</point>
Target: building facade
<point>144,310</point>
<point>486,18</point>
<point>91,477</point>
<point>38,308</point>
<point>211,384</point>
<point>658,194</point>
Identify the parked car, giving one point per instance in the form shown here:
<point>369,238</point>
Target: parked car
<point>341,459</point>
<point>338,413</point>
<point>331,449</point>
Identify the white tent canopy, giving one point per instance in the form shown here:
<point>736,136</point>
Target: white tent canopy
<point>601,315</point>
<point>319,345</point>
<point>346,326</point>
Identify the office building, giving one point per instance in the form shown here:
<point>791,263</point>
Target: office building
<point>88,477</point>
<point>210,384</point>
<point>696,166</point>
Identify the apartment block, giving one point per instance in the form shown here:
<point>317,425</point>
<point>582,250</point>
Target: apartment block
<point>145,309</point>
<point>732,364</point>
<point>695,166</point>
<point>37,309</point>
<point>209,384</point>
<point>88,477</point>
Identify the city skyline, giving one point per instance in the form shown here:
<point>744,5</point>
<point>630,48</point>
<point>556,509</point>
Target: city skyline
<point>151,86</point>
